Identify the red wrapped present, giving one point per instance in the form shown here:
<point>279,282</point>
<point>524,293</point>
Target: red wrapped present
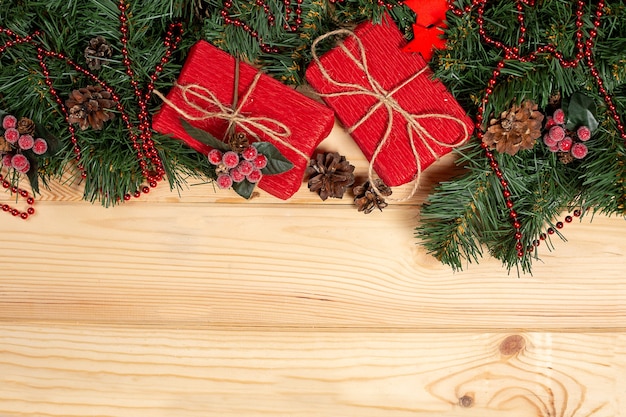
<point>400,117</point>
<point>266,110</point>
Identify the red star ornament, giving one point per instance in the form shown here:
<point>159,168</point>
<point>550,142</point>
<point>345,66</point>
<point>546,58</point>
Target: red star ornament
<point>428,27</point>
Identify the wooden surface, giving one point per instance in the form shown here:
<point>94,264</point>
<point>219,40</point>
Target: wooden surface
<point>201,304</point>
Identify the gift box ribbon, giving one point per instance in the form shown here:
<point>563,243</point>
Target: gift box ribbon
<point>384,99</point>
<point>271,128</point>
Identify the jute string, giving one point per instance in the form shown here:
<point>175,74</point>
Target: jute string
<point>252,125</point>
<point>385,99</point>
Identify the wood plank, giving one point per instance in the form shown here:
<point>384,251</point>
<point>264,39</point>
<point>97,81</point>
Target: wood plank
<point>220,265</point>
<point>97,371</point>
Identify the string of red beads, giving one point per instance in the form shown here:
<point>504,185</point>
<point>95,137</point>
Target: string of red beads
<point>24,194</point>
<point>550,231</point>
<point>293,17</point>
<point>584,49</point>
<point>147,154</point>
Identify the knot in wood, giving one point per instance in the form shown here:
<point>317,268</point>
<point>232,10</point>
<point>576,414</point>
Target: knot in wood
<point>512,345</point>
<point>466,401</point>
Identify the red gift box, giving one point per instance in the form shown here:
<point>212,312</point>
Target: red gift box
<point>264,105</point>
<point>400,117</point>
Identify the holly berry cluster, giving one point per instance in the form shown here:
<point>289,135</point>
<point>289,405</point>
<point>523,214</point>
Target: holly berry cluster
<point>18,136</point>
<point>235,167</point>
<point>562,140</point>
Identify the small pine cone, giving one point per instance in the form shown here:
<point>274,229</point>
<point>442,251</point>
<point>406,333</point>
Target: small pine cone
<point>565,157</point>
<point>329,175</point>
<point>238,142</point>
<point>98,49</point>
<point>366,198</point>
<point>517,128</point>
<point>87,107</point>
<point>26,126</point>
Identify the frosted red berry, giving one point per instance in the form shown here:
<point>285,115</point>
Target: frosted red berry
<point>215,156</point>
<point>230,159</point>
<point>250,153</point>
<point>554,148</point>
<point>26,142</point>
<point>9,122</point>
<point>246,167</point>
<point>583,133</point>
<point>236,175</point>
<point>11,135</point>
<point>579,150</point>
<point>557,133</point>
<point>255,176</point>
<point>40,146</point>
<point>6,160</point>
<point>547,139</point>
<point>559,116</point>
<point>224,181</point>
<point>566,144</point>
<point>260,161</point>
<point>549,122</point>
<point>20,163</point>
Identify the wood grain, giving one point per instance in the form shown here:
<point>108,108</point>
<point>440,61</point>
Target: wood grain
<point>202,304</point>
<point>290,266</point>
<point>96,371</point>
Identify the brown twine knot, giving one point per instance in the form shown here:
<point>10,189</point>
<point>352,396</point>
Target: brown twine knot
<point>271,128</point>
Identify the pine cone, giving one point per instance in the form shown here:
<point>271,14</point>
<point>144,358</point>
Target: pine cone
<point>517,128</point>
<point>25,126</point>
<point>238,142</point>
<point>366,198</point>
<point>87,107</point>
<point>98,48</point>
<point>565,157</point>
<point>329,175</point>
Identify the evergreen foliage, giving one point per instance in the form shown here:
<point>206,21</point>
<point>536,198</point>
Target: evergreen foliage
<point>467,215</point>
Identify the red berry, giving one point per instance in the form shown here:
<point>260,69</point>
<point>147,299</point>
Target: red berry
<point>547,139</point>
<point>557,133</point>
<point>549,122</point>
<point>6,160</point>
<point>26,142</point>
<point>230,159</point>
<point>583,133</point>
<point>9,122</point>
<point>566,144</point>
<point>255,176</point>
<point>20,163</point>
<point>249,153</point>
<point>554,148</point>
<point>236,175</point>
<point>11,135</point>
<point>246,167</point>
<point>224,181</point>
<point>559,116</point>
<point>40,146</point>
<point>260,161</point>
<point>215,156</point>
<point>579,150</point>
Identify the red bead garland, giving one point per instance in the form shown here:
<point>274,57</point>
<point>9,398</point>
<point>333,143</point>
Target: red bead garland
<point>584,50</point>
<point>147,154</point>
<point>293,17</point>
<point>22,193</point>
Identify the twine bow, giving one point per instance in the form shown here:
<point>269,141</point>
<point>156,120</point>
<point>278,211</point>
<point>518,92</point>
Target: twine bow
<point>270,128</point>
<point>385,99</point>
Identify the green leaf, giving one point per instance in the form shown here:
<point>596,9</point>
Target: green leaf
<point>204,136</point>
<point>580,112</point>
<point>53,142</point>
<point>244,188</point>
<point>276,162</point>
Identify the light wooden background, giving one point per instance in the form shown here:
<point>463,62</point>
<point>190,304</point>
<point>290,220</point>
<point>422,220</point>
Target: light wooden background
<point>202,304</point>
